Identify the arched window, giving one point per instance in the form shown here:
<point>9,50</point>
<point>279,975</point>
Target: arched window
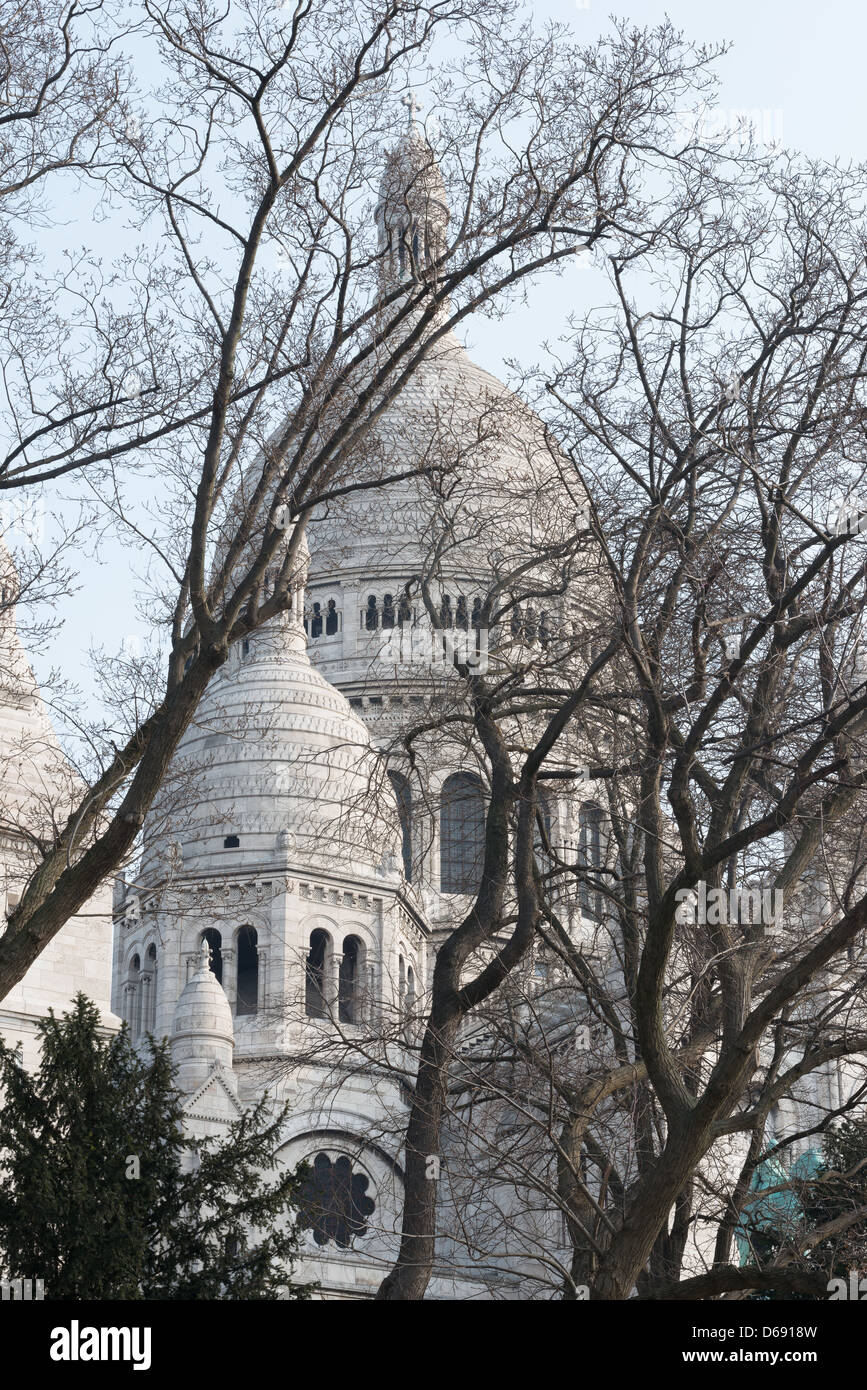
<point>462,833</point>
<point>248,972</point>
<point>349,1004</point>
<point>331,619</point>
<point>215,941</point>
<point>316,621</point>
<point>590,844</point>
<point>388,611</point>
<point>371,616</point>
<point>446,617</point>
<point>404,612</point>
<point>403,794</point>
<point>318,964</point>
<point>333,1202</point>
<point>462,617</point>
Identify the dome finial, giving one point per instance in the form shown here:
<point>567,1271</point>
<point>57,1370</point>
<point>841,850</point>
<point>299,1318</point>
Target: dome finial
<point>411,102</point>
<point>412,213</point>
<point>205,955</point>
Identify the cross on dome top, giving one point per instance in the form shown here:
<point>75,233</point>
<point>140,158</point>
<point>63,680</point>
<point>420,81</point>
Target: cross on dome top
<point>412,104</point>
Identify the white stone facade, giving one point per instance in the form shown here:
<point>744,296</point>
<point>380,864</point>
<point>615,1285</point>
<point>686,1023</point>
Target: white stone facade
<point>37,786</point>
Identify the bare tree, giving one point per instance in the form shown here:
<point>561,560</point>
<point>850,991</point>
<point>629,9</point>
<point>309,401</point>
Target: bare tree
<point>713,412</point>
<point>274,340</point>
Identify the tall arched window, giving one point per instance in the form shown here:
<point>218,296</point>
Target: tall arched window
<point>462,833</point>
<point>403,794</point>
<point>215,941</point>
<point>349,982</point>
<point>318,965</point>
<point>590,844</point>
<point>248,971</point>
<point>331,618</point>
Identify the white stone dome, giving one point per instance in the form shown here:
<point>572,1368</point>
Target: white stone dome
<point>203,1009</point>
<point>497,503</point>
<point>37,783</point>
<point>276,769</point>
<point>202,1037</point>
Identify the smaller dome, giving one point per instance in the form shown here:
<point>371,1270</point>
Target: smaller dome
<point>202,1030</point>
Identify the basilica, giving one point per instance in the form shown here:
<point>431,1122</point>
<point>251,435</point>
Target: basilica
<point>299,869</point>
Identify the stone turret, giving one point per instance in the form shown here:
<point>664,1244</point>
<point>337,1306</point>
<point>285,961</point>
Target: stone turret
<point>203,1036</point>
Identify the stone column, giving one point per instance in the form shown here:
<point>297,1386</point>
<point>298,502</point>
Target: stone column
<point>230,976</point>
<point>129,993</point>
<point>147,1022</point>
<point>262,999</point>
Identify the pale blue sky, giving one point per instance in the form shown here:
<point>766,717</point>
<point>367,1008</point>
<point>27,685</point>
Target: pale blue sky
<point>800,64</point>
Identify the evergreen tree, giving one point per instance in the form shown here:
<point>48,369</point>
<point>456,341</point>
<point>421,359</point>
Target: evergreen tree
<point>833,1199</point>
<point>102,1195</point>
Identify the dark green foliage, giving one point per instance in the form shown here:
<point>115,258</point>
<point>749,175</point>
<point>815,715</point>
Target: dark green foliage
<point>834,1192</point>
<point>203,1220</point>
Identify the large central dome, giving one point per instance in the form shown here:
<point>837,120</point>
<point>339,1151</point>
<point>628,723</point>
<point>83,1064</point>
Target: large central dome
<point>484,503</point>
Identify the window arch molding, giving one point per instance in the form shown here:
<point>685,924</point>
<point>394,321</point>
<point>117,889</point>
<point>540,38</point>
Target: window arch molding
<point>367,1155</point>
<point>352,991</point>
<point>247,947</point>
<point>318,971</point>
<point>462,832</point>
